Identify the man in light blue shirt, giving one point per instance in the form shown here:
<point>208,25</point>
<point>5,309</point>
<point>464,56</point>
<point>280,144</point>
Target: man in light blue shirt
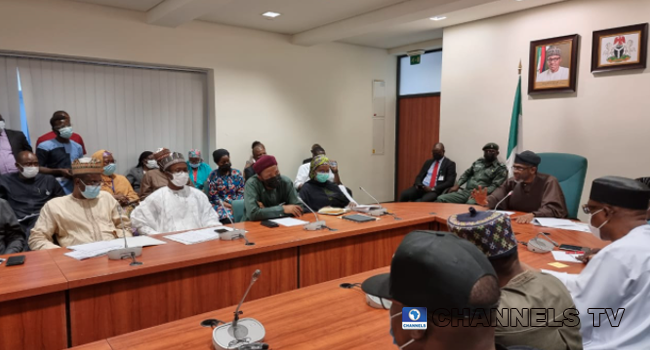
<point>437,175</point>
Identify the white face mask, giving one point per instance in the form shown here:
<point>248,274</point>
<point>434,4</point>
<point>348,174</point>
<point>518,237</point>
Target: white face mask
<point>180,179</point>
<point>30,171</point>
<point>152,164</point>
<point>596,230</point>
<point>2,125</point>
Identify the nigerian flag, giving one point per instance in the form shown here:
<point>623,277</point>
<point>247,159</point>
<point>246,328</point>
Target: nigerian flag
<point>515,140</point>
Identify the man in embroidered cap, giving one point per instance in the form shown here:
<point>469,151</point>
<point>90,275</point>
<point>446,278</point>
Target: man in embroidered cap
<point>154,178</point>
<point>87,215</point>
<point>521,289</point>
<point>268,194</point>
<point>555,71</point>
<point>175,207</point>
<point>539,195</point>
<point>617,279</point>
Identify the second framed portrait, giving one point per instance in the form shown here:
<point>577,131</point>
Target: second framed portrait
<point>553,64</point>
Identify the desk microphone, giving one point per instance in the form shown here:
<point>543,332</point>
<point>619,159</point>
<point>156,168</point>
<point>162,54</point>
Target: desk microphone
<point>501,201</point>
<point>125,252</point>
<point>375,212</point>
<point>235,233</point>
<point>313,226</point>
<point>236,334</point>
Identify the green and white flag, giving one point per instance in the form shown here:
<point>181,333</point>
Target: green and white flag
<point>515,140</point>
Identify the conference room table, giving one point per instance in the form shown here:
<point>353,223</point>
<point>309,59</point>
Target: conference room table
<point>96,299</point>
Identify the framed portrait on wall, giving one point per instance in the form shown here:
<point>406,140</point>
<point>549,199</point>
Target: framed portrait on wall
<point>620,48</point>
<point>553,64</point>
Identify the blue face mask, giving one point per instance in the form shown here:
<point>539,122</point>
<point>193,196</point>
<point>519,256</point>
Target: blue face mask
<point>322,177</point>
<point>65,132</point>
<point>194,166</point>
<point>110,169</point>
<point>91,192</point>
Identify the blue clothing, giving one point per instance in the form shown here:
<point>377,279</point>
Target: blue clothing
<point>228,188</point>
<point>53,154</point>
<point>202,173</point>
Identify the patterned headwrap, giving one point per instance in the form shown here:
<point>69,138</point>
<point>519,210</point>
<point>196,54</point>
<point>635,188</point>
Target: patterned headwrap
<point>194,153</point>
<point>315,163</point>
<point>99,155</point>
<point>490,231</point>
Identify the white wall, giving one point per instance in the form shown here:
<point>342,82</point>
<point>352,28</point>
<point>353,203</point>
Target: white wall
<point>607,120</point>
<point>265,88</point>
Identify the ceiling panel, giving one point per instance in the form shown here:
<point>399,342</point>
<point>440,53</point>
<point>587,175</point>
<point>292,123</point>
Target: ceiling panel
<point>297,15</point>
<point>136,5</point>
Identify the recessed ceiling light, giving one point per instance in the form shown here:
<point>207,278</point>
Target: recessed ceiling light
<point>271,14</point>
<point>438,18</point>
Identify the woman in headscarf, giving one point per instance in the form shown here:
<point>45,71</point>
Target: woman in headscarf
<point>116,184</point>
<point>146,162</point>
<point>199,171</point>
<point>224,183</point>
<point>319,192</point>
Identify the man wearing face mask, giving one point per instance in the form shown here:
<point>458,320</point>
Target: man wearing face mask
<point>155,178</point>
<point>27,191</point>
<point>268,194</point>
<point>11,143</point>
<point>56,155</point>
<point>437,175</point>
<point>115,184</point>
<point>85,216</point>
<point>175,207</point>
<point>453,280</point>
<point>486,172</point>
<point>618,276</point>
<point>539,195</point>
<point>51,135</point>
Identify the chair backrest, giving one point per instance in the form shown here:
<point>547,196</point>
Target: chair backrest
<point>237,209</point>
<point>570,170</point>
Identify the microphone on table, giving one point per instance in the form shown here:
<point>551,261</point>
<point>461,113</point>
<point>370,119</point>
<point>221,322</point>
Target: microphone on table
<point>375,212</point>
<point>242,333</point>
<point>126,252</point>
<point>313,226</point>
<point>501,201</point>
<point>235,233</point>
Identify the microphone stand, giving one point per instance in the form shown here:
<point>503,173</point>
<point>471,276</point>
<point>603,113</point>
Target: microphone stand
<point>381,211</point>
<point>125,252</point>
<point>256,275</point>
<point>501,201</point>
<point>318,224</point>
<point>235,233</point>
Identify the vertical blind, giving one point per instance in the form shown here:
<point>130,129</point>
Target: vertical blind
<point>9,101</point>
<point>121,109</point>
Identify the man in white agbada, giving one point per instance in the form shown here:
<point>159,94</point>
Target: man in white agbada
<point>176,207</point>
<point>618,276</point>
<point>555,71</point>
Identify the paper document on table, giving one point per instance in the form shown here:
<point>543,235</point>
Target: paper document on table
<point>366,208</point>
<point>561,223</point>
<point>81,255</point>
<point>91,250</point>
<point>99,246</point>
<point>347,195</point>
<point>289,222</point>
<point>505,212</point>
<point>564,256</point>
<point>140,241</point>
<point>195,236</point>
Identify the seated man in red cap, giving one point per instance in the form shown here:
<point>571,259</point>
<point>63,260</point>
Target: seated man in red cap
<point>268,194</point>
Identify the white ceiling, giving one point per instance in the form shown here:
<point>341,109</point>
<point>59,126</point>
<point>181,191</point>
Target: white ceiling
<point>382,24</point>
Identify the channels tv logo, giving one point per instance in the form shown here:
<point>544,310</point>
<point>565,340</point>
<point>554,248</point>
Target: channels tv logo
<point>414,318</point>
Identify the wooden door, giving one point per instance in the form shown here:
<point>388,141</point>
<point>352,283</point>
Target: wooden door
<point>418,130</point>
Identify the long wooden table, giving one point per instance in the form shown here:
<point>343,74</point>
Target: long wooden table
<point>107,298</point>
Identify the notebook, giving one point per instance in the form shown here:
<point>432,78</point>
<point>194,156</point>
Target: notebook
<point>359,218</point>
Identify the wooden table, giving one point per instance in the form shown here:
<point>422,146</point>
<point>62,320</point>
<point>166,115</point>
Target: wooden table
<point>108,298</point>
<point>32,304</point>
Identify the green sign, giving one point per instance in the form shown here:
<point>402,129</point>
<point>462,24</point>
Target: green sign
<point>415,59</point>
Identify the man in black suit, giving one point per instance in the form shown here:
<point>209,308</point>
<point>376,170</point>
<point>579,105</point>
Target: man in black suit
<point>437,175</point>
<point>11,143</point>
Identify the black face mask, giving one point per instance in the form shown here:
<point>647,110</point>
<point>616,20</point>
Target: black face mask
<point>273,182</point>
<point>490,157</point>
<point>437,157</point>
<point>225,168</point>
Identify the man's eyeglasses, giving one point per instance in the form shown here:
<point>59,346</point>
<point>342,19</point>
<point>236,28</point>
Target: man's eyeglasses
<point>587,210</point>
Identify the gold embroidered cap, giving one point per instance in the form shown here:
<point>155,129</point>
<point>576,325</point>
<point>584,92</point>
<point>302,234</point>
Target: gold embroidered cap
<point>87,165</point>
<point>170,159</point>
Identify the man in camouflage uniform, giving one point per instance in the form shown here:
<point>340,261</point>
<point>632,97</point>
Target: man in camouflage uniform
<point>486,172</point>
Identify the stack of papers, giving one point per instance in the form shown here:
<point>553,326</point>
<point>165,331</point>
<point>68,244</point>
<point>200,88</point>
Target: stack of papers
<point>562,223</point>
<point>289,222</point>
<point>196,236</point>
<point>91,250</point>
<point>566,257</point>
